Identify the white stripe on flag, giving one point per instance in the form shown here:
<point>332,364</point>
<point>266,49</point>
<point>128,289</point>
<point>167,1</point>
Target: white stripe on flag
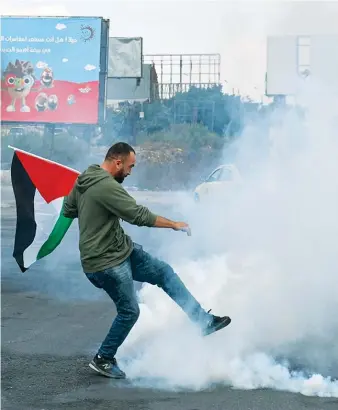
<point>46,216</point>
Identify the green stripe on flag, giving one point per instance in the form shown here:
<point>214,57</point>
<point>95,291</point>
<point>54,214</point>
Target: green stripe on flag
<point>59,231</point>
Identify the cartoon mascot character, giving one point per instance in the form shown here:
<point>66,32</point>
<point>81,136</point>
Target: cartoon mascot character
<point>47,78</point>
<point>19,80</point>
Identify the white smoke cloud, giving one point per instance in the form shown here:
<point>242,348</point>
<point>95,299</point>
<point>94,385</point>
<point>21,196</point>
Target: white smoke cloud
<point>65,60</point>
<point>270,261</point>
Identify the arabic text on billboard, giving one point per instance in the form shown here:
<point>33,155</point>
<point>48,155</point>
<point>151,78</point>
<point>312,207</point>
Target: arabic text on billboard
<point>50,69</point>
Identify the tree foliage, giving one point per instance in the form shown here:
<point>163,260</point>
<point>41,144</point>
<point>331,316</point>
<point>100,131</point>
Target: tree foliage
<point>206,110</point>
<point>179,135</point>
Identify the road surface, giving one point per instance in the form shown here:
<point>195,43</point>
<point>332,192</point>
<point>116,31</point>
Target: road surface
<point>52,322</point>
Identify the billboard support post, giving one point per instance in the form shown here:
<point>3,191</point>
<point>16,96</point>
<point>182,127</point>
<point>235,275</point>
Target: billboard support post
<point>103,70</point>
<point>49,133</point>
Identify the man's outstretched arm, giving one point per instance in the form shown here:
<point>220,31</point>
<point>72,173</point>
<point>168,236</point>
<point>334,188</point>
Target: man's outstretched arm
<point>117,200</point>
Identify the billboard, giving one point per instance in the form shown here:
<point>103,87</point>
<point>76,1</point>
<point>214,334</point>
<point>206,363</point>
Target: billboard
<point>125,57</point>
<point>282,75</point>
<point>50,69</point>
<point>126,89</point>
<point>294,60</point>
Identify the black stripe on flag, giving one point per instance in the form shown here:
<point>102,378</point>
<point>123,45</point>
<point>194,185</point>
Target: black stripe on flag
<point>24,192</point>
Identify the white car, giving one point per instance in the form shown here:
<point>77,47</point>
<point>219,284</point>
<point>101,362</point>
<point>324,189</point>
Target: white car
<point>218,183</point>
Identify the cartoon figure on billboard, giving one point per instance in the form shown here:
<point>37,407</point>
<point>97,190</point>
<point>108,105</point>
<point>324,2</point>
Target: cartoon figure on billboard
<point>53,102</point>
<point>71,99</point>
<point>19,80</point>
<point>47,78</point>
<point>41,102</point>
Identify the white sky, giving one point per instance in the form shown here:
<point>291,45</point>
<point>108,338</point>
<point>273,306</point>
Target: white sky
<point>235,29</point>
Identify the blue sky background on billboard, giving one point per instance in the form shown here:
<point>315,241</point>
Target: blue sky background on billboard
<point>70,47</point>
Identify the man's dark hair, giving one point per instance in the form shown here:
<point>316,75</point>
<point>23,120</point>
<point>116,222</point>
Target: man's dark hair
<point>118,150</point>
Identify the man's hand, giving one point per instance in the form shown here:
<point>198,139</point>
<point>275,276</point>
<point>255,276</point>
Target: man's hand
<point>180,226</point>
<point>176,226</point>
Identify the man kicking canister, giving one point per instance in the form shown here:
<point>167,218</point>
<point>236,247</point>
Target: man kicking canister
<point>111,261</point>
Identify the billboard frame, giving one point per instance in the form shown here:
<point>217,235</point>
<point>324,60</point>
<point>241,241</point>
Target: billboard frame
<point>179,72</point>
<point>103,74</point>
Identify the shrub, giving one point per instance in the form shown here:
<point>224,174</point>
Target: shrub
<point>185,136</point>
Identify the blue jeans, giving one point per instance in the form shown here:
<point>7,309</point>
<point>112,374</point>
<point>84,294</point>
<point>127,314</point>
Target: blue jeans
<point>118,283</point>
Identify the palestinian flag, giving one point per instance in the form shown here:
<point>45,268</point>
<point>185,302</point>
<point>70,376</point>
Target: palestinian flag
<point>40,187</point>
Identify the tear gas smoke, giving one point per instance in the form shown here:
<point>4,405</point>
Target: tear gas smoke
<point>267,256</point>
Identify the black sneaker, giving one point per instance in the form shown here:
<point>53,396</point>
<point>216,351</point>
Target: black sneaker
<point>107,367</point>
<point>216,323</point>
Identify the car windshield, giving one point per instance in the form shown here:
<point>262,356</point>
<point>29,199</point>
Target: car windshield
<point>221,174</point>
<point>214,176</point>
<point>226,175</point>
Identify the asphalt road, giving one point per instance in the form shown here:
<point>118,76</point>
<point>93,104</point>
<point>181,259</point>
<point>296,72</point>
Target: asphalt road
<point>52,322</point>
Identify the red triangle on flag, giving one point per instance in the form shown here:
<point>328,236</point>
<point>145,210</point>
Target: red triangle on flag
<point>51,179</point>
